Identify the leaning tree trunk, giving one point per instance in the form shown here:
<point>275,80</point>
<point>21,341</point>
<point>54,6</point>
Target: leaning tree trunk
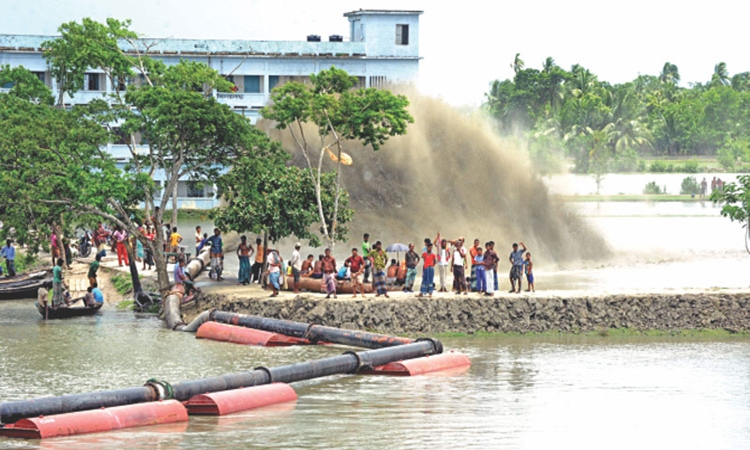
<point>174,205</point>
<point>135,278</point>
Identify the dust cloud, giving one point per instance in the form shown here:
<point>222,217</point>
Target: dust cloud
<point>451,173</point>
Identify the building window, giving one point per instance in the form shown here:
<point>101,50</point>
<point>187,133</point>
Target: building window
<point>252,84</point>
<point>273,81</point>
<point>402,34</point>
<point>41,76</point>
<point>195,189</point>
<point>377,82</point>
<point>7,85</point>
<point>92,82</point>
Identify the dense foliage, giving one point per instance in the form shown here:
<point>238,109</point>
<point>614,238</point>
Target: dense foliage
<point>571,113</point>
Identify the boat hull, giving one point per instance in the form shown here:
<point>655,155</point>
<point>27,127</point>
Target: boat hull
<point>65,313</point>
<point>24,286</point>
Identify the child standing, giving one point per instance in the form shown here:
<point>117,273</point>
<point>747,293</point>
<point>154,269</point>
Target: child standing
<point>529,269</point>
<point>480,270</point>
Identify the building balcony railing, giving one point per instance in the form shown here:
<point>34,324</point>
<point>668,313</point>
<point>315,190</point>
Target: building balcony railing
<point>239,100</point>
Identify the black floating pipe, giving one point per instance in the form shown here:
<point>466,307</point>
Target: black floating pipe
<point>311,332</point>
<point>349,362</point>
<point>11,412</point>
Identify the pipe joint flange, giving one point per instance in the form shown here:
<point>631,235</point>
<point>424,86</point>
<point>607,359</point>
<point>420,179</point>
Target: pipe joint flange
<point>363,361</point>
<point>308,332</point>
<point>162,388</point>
<point>267,371</point>
<point>437,346</point>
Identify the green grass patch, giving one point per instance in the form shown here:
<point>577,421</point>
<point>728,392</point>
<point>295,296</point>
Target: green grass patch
<point>126,305</point>
<point>26,262</point>
<point>122,283</point>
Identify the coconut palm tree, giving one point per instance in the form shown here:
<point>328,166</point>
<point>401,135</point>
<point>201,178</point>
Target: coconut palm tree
<point>720,76</point>
<point>518,63</point>
<point>669,73</point>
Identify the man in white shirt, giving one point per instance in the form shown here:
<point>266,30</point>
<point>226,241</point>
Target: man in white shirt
<point>458,263</point>
<point>274,271</point>
<point>296,263</point>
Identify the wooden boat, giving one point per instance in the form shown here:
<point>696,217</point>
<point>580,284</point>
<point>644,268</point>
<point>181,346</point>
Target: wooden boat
<point>68,311</point>
<point>25,285</point>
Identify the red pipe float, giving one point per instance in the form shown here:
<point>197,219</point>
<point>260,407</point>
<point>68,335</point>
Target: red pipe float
<point>444,362</point>
<point>97,420</point>
<point>247,336</point>
<point>228,402</point>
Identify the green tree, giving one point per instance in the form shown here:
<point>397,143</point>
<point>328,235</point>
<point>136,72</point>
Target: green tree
<point>720,76</point>
<point>267,196</point>
<point>55,156</point>
<point>734,199</point>
<point>340,113</point>
<point>669,74</point>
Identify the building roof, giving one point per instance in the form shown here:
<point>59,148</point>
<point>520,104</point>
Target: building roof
<point>218,47</point>
<point>380,12</point>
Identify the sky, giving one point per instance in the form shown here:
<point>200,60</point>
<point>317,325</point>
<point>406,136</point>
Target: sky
<point>465,45</point>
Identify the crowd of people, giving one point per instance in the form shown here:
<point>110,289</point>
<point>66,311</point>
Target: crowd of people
<point>473,270</point>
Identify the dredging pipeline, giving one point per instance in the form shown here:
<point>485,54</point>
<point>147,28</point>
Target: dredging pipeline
<point>311,332</point>
<point>153,390</point>
<point>173,300</point>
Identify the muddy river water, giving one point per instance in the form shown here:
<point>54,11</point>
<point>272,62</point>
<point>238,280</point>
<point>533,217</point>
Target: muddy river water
<point>520,392</point>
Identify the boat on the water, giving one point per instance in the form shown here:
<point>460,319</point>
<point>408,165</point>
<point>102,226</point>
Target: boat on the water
<point>24,285</point>
<point>64,312</point>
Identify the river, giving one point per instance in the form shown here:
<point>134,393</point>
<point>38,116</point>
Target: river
<point>521,392</point>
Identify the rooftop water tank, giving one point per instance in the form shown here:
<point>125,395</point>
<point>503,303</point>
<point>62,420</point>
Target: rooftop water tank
<point>336,38</point>
<point>313,38</point>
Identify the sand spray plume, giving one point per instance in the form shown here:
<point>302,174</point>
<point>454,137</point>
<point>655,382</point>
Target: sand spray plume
<point>451,173</point>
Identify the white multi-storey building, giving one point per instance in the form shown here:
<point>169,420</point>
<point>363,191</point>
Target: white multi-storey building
<point>383,47</point>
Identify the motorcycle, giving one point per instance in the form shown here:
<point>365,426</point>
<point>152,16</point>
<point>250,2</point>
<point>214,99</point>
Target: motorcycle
<point>84,244</point>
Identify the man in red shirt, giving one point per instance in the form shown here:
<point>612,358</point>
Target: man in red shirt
<point>328,264</point>
<point>428,272</point>
<point>357,268</point>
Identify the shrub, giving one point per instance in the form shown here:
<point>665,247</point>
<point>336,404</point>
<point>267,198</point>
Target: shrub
<point>689,167</point>
<point>122,283</point>
<point>641,165</point>
<point>660,166</point>
<point>654,189</point>
<point>690,186</point>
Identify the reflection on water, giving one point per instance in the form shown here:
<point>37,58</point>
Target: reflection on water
<point>565,392</point>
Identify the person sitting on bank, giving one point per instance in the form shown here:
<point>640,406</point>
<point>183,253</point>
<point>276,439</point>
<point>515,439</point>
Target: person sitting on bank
<point>390,276</point>
<point>318,268</point>
<point>401,274</point>
<point>343,274</point>
<point>307,267</point>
